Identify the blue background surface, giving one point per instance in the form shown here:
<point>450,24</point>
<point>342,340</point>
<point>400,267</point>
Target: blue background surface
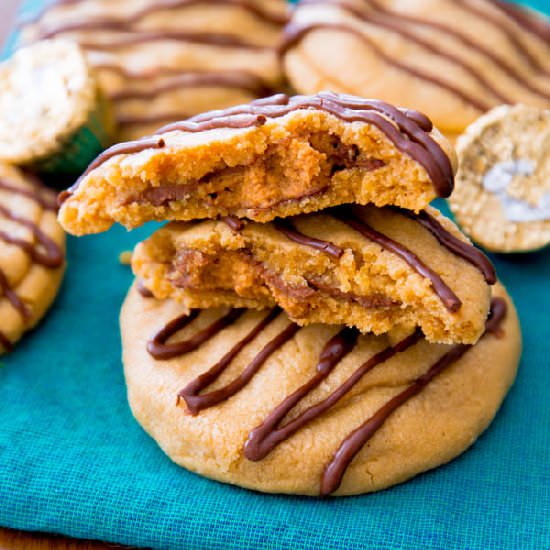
<point>73,460</point>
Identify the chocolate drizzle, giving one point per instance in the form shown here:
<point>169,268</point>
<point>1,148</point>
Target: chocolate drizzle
<point>42,250</point>
<point>241,80</point>
<point>13,298</point>
<point>143,290</point>
<point>407,129</point>
<point>126,148</point>
<point>536,26</point>
<point>46,201</point>
<point>286,227</point>
<point>191,394</point>
<point>506,25</point>
<point>263,439</point>
<point>160,349</point>
<point>140,37</point>
<point>158,5</point>
<point>463,249</point>
<point>352,218</point>
<point>354,442</point>
<point>50,256</point>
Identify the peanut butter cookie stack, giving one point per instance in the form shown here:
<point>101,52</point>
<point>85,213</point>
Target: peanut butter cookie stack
<point>305,323</point>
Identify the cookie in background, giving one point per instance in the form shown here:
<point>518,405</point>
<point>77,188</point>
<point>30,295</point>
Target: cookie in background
<point>32,253</point>
<point>502,188</point>
<point>451,59</point>
<point>160,61</point>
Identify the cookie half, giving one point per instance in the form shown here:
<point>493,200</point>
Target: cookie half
<point>249,398</point>
<point>453,60</point>
<point>165,60</point>
<point>278,156</point>
<point>366,267</point>
<point>32,253</point>
<point>502,196</point>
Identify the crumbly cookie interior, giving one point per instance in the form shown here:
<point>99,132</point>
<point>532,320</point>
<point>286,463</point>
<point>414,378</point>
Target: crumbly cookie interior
<point>207,265</point>
<point>305,162</point>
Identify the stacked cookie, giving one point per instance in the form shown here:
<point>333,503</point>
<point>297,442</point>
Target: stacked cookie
<point>306,323</point>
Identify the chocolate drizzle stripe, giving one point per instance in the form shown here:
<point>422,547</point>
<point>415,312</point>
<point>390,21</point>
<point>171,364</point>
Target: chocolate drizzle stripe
<point>409,131</point>
<point>537,27</point>
<point>51,256</point>
<point>32,194</point>
<point>286,227</point>
<point>160,349</point>
<point>191,394</point>
<point>510,31</point>
<point>355,441</point>
<point>295,33</point>
<point>465,250</point>
<point>352,218</point>
<point>43,250</point>
<point>396,22</point>
<point>13,298</point>
<point>143,290</point>
<point>151,118</point>
<point>240,80</point>
<point>126,148</point>
<point>208,39</point>
<point>158,5</point>
<point>263,439</point>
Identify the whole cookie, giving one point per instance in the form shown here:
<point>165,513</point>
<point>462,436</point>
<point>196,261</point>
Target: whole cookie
<point>502,194</point>
<point>452,59</point>
<point>160,61</point>
<point>249,398</point>
<point>32,253</point>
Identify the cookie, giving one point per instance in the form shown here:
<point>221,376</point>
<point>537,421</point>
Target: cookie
<point>364,267</point>
<point>32,253</point>
<point>502,196</point>
<point>53,118</point>
<point>278,156</point>
<point>453,60</point>
<point>249,398</point>
<point>160,61</point>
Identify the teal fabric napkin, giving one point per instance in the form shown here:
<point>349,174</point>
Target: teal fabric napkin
<point>74,461</point>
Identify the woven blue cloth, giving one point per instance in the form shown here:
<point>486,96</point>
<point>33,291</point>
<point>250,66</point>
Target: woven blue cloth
<point>74,461</point>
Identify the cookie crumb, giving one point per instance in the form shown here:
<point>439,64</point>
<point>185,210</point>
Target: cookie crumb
<point>125,258</point>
